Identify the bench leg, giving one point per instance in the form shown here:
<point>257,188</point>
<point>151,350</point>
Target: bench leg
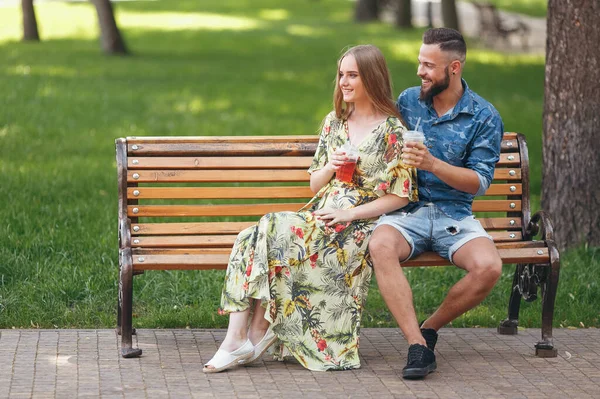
<point>126,301</point>
<point>545,347</point>
<point>510,324</point>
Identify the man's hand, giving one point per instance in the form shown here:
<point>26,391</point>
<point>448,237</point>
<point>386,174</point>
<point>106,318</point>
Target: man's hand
<point>335,215</point>
<point>417,155</point>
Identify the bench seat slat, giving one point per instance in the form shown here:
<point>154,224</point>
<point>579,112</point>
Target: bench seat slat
<point>210,210</point>
<point>261,209</point>
<point>227,250</point>
<point>227,240</point>
<point>135,163</point>
<point>219,261</point>
<point>144,229</point>
<point>219,162</point>
<point>261,192</point>
<point>206,176</point>
<point>220,192</point>
<point>249,148</point>
<point>242,139</point>
<point>259,175</point>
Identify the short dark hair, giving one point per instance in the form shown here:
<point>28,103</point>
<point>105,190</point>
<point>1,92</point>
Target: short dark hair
<point>449,40</point>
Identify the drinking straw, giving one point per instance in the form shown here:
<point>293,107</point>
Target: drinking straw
<point>417,125</point>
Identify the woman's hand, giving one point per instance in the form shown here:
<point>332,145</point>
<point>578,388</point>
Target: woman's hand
<point>335,216</point>
<point>417,155</point>
<point>337,159</point>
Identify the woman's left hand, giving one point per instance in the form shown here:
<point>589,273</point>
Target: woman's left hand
<point>334,216</point>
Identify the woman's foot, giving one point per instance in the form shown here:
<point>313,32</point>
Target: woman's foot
<point>225,359</point>
<point>267,338</point>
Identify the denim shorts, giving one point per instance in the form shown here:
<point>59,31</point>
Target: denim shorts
<point>429,229</point>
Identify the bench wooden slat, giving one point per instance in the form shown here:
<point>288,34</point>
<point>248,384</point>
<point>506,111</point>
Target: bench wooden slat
<point>210,210</point>
<point>261,209</point>
<point>506,159</point>
<point>219,162</point>
<point>262,192</point>
<point>192,261</point>
<point>204,176</point>
<point>511,145</point>
<point>242,139</point>
<point>496,206</point>
<point>197,228</point>
<point>227,240</point>
<point>189,228</point>
<point>248,148</point>
<point>504,189</point>
<point>507,174</point>
<point>220,192</point>
<point>227,250</point>
<point>240,175</point>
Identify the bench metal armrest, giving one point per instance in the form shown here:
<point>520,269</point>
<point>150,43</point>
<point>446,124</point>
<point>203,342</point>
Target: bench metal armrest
<point>541,224</point>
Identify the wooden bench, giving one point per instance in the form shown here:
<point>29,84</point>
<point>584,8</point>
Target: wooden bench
<point>182,201</point>
<point>492,26</point>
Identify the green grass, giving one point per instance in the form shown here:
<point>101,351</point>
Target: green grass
<point>534,8</point>
<point>233,67</point>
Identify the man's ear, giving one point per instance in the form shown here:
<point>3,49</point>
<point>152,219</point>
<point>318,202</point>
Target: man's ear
<point>455,67</point>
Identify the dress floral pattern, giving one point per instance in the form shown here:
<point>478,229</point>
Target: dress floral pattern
<point>314,279</point>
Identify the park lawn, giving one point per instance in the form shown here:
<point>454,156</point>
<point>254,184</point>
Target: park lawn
<point>534,8</point>
<point>232,67</point>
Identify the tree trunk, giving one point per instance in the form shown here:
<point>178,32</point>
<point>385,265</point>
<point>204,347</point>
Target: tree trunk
<point>366,10</point>
<point>404,14</point>
<point>449,14</point>
<point>571,148</point>
<point>112,43</point>
<point>30,29</point>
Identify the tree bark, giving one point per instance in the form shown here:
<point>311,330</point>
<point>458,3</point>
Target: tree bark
<point>404,14</point>
<point>449,14</point>
<point>571,147</point>
<point>110,37</point>
<point>30,29</point>
<point>366,10</point>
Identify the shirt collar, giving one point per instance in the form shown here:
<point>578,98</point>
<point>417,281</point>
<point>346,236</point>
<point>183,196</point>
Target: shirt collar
<point>464,104</point>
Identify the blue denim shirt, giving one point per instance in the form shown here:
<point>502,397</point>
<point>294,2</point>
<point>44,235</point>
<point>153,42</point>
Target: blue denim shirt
<point>468,136</point>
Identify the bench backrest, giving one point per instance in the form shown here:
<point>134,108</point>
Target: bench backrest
<point>194,194</point>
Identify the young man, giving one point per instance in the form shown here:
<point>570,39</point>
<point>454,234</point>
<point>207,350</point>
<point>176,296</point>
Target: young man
<point>463,133</point>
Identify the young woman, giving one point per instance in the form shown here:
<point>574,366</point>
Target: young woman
<point>307,272</point>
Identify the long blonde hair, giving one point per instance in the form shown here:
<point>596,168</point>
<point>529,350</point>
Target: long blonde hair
<point>375,77</point>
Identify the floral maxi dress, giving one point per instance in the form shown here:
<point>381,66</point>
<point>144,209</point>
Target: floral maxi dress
<point>314,279</point>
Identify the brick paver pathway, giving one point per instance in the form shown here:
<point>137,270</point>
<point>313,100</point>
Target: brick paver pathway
<point>472,363</point>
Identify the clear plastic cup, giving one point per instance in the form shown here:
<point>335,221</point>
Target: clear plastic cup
<point>346,171</point>
<point>413,136</point>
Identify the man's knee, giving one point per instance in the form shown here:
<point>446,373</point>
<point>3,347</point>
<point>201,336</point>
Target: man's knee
<point>386,242</point>
<point>487,269</point>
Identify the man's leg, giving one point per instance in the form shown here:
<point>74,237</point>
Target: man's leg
<point>482,262</point>
<point>386,247</point>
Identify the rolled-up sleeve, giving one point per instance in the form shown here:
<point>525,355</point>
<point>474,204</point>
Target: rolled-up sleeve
<point>485,151</point>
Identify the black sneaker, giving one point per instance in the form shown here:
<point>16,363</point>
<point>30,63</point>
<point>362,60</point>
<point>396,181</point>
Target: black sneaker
<point>421,361</point>
<point>430,336</point>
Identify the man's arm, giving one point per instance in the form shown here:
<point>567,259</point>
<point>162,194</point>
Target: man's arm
<point>478,172</point>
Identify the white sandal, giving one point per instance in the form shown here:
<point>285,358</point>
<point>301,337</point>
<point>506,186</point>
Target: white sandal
<point>222,360</point>
<point>262,346</point>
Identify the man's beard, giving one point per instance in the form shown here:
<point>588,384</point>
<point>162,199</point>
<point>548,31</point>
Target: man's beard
<point>435,89</point>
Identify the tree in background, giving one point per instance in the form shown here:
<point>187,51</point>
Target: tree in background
<point>366,10</point>
<point>449,14</point>
<point>571,144</point>
<point>404,14</point>
<point>30,29</point>
<point>110,37</point>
